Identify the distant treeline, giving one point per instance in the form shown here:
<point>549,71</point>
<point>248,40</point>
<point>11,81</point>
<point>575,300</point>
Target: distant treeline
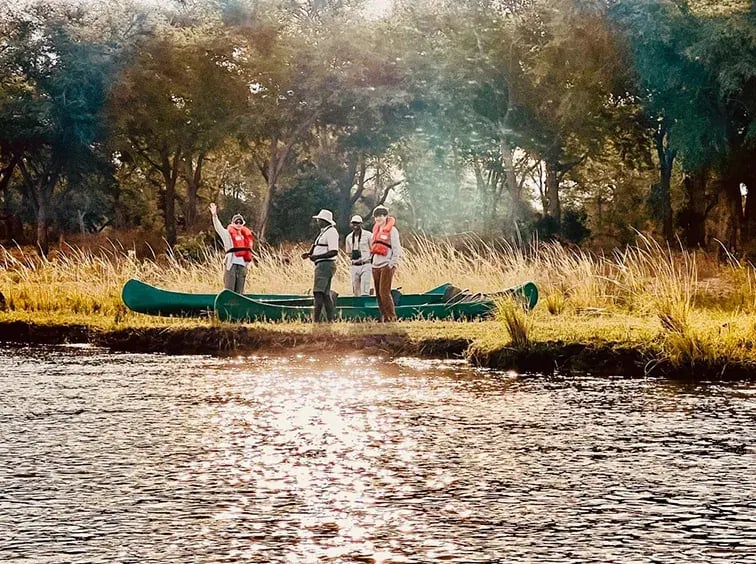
<point>581,120</point>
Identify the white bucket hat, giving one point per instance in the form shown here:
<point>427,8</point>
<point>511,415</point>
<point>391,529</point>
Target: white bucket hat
<point>325,215</point>
<point>356,219</point>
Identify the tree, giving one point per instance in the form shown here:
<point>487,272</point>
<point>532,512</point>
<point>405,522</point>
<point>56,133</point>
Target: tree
<point>725,45</point>
<point>316,93</point>
<point>177,100</point>
<point>52,121</point>
<point>673,88</point>
<point>574,91</point>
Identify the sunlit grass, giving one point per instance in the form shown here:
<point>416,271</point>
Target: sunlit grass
<point>688,306</point>
<point>516,321</point>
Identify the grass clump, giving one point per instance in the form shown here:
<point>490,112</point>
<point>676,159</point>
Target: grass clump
<point>516,321</point>
<point>555,302</point>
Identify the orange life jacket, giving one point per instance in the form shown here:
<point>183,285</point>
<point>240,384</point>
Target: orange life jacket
<point>241,241</point>
<point>382,237</point>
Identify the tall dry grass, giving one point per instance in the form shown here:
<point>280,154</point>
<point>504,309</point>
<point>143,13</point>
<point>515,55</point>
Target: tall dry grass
<point>647,279</point>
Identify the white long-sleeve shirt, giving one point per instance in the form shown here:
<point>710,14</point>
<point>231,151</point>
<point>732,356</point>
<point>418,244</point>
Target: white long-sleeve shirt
<point>394,253</point>
<point>361,243</point>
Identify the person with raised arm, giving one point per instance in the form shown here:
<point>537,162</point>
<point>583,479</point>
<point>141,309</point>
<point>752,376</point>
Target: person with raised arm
<point>237,242</point>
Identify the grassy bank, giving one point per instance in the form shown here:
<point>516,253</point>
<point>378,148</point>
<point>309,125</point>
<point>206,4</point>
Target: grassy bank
<point>647,308</point>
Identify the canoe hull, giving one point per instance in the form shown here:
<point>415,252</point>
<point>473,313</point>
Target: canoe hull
<point>144,298</point>
<point>230,306</point>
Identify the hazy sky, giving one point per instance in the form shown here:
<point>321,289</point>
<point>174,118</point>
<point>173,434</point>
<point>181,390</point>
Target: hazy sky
<point>379,7</point>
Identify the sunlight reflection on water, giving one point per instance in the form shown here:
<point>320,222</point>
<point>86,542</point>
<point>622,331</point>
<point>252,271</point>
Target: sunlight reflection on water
<point>304,459</point>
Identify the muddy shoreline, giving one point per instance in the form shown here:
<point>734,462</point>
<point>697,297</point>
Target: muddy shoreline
<point>546,358</point>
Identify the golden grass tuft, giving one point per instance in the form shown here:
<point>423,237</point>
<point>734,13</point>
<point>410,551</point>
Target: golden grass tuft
<point>516,321</point>
<point>555,302</point>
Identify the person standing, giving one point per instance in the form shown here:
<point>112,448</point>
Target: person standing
<point>323,253</point>
<point>237,242</point>
<point>386,250</point>
<point>357,245</point>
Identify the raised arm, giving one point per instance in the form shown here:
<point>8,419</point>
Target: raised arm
<point>219,228</point>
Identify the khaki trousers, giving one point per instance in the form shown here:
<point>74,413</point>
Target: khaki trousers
<point>361,276</point>
<point>234,279</point>
<point>382,278</point>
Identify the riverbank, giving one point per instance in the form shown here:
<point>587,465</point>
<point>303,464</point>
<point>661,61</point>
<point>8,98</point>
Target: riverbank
<point>644,310</point>
<point>612,346</point>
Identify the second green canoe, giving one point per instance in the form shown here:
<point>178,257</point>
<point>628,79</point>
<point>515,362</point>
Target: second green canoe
<point>230,306</point>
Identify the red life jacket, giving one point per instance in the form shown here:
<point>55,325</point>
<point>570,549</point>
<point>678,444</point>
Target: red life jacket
<point>241,241</point>
<point>382,237</point>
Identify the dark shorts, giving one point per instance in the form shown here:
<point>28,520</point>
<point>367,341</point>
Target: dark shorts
<point>324,272</point>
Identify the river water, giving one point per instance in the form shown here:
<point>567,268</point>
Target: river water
<point>148,458</point>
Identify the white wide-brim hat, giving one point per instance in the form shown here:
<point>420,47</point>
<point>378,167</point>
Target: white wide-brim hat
<point>325,215</point>
<point>356,219</point>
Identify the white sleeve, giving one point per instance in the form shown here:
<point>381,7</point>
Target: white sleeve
<point>222,232</point>
<point>348,243</point>
<point>396,247</point>
<point>333,240</point>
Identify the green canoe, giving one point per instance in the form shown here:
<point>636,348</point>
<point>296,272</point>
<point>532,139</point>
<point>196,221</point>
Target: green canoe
<point>230,306</point>
<point>144,298</point>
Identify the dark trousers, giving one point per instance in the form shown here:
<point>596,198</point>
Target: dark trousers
<point>323,302</point>
<point>321,291</point>
<point>382,278</point>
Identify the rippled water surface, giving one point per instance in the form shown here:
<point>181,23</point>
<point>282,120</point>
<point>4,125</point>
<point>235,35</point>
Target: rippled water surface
<point>139,458</point>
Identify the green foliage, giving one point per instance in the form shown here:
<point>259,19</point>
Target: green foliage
<point>546,228</point>
<point>52,91</point>
<point>293,207</point>
<point>574,225</point>
<point>447,110</point>
<point>194,247</point>
<point>443,201</point>
<point>86,205</point>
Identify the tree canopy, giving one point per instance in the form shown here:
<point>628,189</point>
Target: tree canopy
<point>581,120</point>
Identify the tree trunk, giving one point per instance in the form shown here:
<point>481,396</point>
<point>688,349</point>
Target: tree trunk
<point>194,179</point>
<point>514,188</point>
<point>275,165</point>
<point>6,173</point>
<point>749,221</point>
<point>170,176</point>
<point>262,219</point>
<point>666,159</point>
<point>40,189</point>
<point>693,214</point>
<point>271,172</point>
<point>553,206</point>
<point>733,212</point>
<point>43,245</point>
<point>347,180</point>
